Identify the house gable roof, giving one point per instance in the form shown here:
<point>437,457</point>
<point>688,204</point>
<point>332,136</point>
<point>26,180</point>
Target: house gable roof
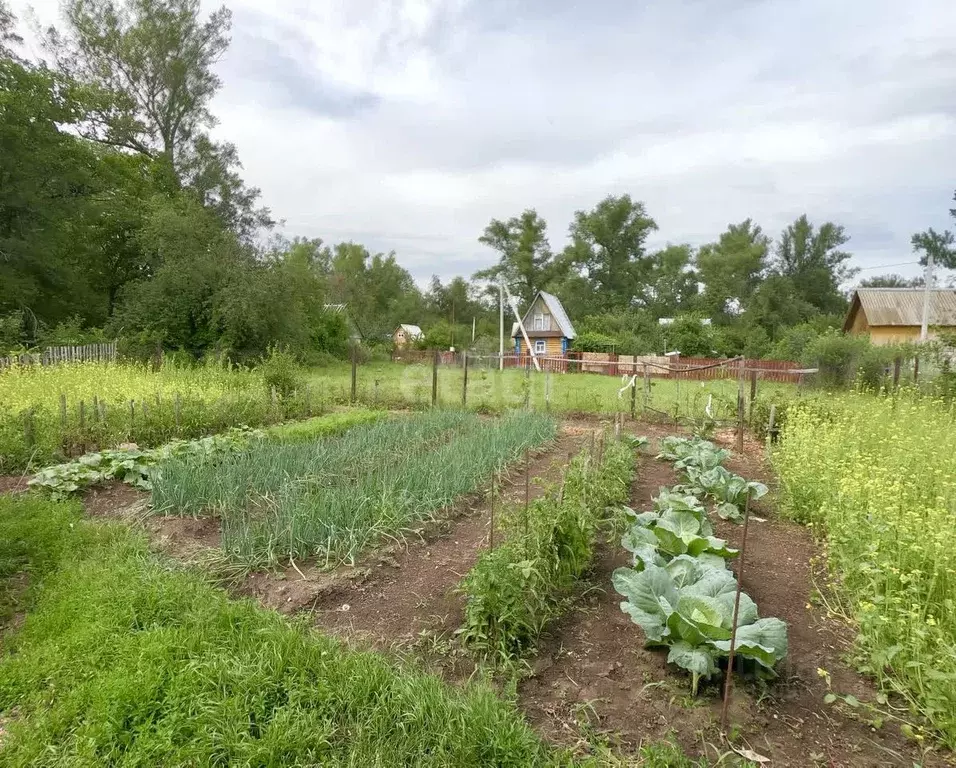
<point>902,307</point>
<point>412,330</point>
<point>556,308</point>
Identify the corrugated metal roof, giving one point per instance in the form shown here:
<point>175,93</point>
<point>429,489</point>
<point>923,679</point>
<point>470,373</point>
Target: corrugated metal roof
<point>904,306</point>
<point>557,310</point>
<point>412,330</point>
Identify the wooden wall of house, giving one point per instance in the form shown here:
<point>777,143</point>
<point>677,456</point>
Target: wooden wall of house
<point>552,348</point>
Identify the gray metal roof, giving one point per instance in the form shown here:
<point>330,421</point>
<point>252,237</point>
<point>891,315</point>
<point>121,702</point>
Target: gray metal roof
<point>411,330</point>
<point>904,306</point>
<point>557,311</point>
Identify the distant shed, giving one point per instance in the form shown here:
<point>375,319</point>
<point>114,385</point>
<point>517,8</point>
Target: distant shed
<point>893,315</point>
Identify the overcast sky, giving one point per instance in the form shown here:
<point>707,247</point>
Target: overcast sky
<point>408,124</point>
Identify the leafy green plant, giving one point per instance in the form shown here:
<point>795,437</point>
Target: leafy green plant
<point>690,609</point>
<point>514,590</point>
<point>134,466</point>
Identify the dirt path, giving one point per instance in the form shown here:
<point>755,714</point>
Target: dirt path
<point>594,667</point>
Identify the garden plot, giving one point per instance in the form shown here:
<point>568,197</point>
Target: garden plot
<point>593,666</point>
<point>333,498</point>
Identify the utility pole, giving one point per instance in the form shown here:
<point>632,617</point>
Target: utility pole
<point>501,325</point>
<point>927,296</point>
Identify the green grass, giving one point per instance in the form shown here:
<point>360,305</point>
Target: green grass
<point>400,385</point>
<point>126,661</point>
<point>876,475</point>
<point>335,497</point>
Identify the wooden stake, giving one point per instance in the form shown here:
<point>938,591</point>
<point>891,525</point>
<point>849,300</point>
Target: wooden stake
<point>753,387</point>
<point>352,394</point>
<point>897,362</point>
<point>772,426</point>
<point>435,379</point>
<point>464,381</point>
<point>728,681</point>
<point>740,408</point>
<point>62,411</point>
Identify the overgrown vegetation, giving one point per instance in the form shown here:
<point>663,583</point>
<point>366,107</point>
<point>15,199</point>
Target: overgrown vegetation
<point>679,590</point>
<point>332,498</point>
<point>875,475</point>
<point>514,590</point>
<point>125,661</point>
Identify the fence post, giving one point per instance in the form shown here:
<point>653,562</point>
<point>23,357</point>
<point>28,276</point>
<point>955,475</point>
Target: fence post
<point>547,389</point>
<point>916,369</point>
<point>772,425</point>
<point>647,386</point>
<point>62,411</point>
<point>740,407</point>
<point>897,362</point>
<point>753,387</point>
<point>352,393</point>
<point>435,379</point>
<point>464,382</point>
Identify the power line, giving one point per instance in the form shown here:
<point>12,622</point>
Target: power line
<point>888,266</point>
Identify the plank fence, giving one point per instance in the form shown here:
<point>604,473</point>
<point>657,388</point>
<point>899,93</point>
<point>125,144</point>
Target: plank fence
<point>99,353</point>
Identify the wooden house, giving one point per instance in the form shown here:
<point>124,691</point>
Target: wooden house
<point>548,327</point>
<point>893,315</point>
<point>406,334</point>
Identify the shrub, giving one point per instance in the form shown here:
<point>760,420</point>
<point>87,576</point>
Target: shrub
<point>281,372</point>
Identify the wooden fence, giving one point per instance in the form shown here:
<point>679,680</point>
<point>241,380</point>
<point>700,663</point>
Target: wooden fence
<point>100,353</point>
<point>657,366</point>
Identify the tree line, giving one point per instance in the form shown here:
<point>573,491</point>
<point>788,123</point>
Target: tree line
<point>120,216</point>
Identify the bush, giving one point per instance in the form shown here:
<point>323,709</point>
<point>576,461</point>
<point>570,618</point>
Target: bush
<point>281,372</point>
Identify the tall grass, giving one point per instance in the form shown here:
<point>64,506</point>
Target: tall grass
<point>334,498</point>
<point>877,476</point>
<point>173,402</point>
<point>124,661</point>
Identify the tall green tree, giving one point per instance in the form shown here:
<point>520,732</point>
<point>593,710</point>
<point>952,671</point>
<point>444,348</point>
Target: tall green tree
<point>672,282</point>
<point>151,62</point>
<point>608,245</point>
<point>940,245</point>
<point>526,263</point>
<point>47,185</point>
<point>731,269</point>
<point>815,263</point>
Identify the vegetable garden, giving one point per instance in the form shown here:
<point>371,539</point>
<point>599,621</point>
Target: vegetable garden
<point>416,531</point>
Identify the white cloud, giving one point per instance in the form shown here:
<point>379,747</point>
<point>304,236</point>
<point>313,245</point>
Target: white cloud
<point>408,124</point>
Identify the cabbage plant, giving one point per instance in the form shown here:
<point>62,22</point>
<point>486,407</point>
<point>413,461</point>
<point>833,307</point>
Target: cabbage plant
<point>689,608</point>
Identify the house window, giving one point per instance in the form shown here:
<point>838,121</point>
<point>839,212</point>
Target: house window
<point>539,322</point>
<point>539,346</point>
